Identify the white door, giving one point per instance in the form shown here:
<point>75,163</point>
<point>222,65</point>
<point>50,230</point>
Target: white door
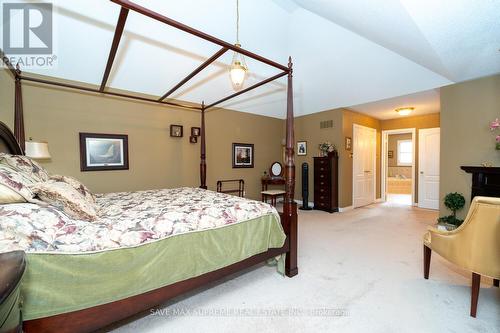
<point>364,157</point>
<point>428,168</point>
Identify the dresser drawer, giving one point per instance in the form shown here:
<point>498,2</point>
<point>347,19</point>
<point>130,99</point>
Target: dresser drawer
<point>321,176</point>
<point>322,197</point>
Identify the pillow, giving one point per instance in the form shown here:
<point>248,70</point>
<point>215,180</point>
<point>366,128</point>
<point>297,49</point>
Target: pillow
<point>16,181</point>
<point>77,185</point>
<point>65,198</point>
<point>26,165</point>
<point>8,196</point>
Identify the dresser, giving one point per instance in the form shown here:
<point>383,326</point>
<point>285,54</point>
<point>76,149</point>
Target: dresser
<point>485,181</point>
<point>326,183</point>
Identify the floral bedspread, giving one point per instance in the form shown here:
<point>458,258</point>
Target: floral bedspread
<point>126,219</point>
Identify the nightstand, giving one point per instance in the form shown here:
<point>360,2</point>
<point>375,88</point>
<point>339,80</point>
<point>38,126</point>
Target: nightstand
<point>12,269</point>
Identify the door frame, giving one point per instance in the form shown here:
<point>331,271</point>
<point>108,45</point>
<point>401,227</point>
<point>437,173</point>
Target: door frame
<point>374,162</point>
<point>419,167</point>
<point>384,161</point>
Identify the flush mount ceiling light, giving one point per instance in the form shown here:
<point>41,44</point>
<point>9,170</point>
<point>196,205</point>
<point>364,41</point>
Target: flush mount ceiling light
<point>238,69</point>
<point>404,111</point>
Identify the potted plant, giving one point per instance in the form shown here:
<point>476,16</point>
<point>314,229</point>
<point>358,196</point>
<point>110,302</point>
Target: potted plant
<point>326,148</point>
<point>454,202</point>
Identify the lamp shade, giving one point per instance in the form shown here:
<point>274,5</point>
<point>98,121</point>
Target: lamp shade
<point>238,69</point>
<point>238,73</point>
<point>37,150</point>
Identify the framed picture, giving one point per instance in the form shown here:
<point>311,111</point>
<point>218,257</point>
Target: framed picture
<point>390,154</point>
<point>348,143</point>
<point>100,152</point>
<point>176,131</point>
<point>301,148</point>
<point>193,139</point>
<point>195,131</point>
<point>243,154</point>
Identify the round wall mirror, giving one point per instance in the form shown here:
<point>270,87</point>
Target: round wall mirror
<point>276,169</point>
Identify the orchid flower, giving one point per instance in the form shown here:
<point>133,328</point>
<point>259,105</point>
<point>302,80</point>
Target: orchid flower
<point>494,124</point>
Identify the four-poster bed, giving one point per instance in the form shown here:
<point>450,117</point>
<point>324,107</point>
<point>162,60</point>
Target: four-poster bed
<point>92,318</point>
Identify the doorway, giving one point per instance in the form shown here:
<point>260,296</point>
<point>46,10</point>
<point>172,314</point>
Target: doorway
<point>363,165</point>
<point>398,166</point>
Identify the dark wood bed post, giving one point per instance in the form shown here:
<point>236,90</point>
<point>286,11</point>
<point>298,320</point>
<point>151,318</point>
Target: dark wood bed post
<point>290,206</point>
<point>18,110</point>
<point>203,155</point>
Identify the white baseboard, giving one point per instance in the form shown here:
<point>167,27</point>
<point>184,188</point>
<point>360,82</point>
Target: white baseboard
<point>379,200</point>
<point>345,209</point>
<point>299,202</point>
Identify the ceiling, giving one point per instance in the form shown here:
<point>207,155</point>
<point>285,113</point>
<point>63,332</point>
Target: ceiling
<point>424,102</point>
<point>344,52</point>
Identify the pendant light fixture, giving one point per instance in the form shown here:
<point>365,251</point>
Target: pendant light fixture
<point>238,68</point>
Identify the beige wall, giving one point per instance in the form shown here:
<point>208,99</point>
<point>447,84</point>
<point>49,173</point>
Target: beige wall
<point>418,122</point>
<point>466,110</point>
<point>156,159</point>
<point>392,145</point>
<point>308,129</point>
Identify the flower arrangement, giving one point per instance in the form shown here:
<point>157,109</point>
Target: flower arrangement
<point>494,125</point>
<point>327,147</point>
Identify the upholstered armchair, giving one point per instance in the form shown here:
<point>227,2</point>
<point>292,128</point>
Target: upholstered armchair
<point>474,246</point>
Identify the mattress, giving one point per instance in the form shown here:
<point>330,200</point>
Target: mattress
<point>142,241</point>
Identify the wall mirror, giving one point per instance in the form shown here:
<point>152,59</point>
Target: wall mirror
<point>276,169</point>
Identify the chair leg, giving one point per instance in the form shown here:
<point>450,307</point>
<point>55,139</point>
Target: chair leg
<point>427,261</point>
<point>476,282</point>
<point>496,282</point>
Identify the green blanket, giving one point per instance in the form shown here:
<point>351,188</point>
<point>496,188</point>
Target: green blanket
<point>59,283</point>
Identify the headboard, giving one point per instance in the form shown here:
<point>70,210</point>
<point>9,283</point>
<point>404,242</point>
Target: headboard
<point>8,143</point>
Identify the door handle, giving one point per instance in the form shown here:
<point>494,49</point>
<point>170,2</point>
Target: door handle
<point>421,172</point>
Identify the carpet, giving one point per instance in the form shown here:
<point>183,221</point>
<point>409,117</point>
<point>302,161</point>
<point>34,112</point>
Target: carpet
<point>359,271</point>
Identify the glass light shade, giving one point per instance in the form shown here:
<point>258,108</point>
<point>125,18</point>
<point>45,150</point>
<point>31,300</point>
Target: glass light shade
<point>238,74</point>
<point>238,70</point>
<point>404,111</point>
<point>37,150</point>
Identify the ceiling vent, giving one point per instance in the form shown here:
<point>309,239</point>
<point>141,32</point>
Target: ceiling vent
<point>326,124</point>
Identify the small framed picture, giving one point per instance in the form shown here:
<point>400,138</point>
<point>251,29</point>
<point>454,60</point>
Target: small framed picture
<point>301,148</point>
<point>195,131</point>
<point>193,139</point>
<point>100,152</point>
<point>348,143</point>
<point>176,131</point>
<point>390,154</point>
<point>243,155</point>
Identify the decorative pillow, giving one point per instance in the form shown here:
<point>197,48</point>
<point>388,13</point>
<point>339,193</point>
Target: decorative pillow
<point>77,185</point>
<point>8,196</point>
<point>16,181</point>
<point>25,165</point>
<point>64,197</point>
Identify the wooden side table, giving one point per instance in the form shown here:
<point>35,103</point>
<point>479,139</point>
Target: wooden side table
<point>12,269</point>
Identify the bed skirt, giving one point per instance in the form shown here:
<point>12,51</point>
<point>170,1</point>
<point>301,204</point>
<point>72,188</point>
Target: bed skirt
<point>60,283</point>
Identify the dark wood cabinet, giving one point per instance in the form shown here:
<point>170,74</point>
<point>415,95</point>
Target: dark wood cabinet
<point>326,183</point>
<point>485,181</point>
